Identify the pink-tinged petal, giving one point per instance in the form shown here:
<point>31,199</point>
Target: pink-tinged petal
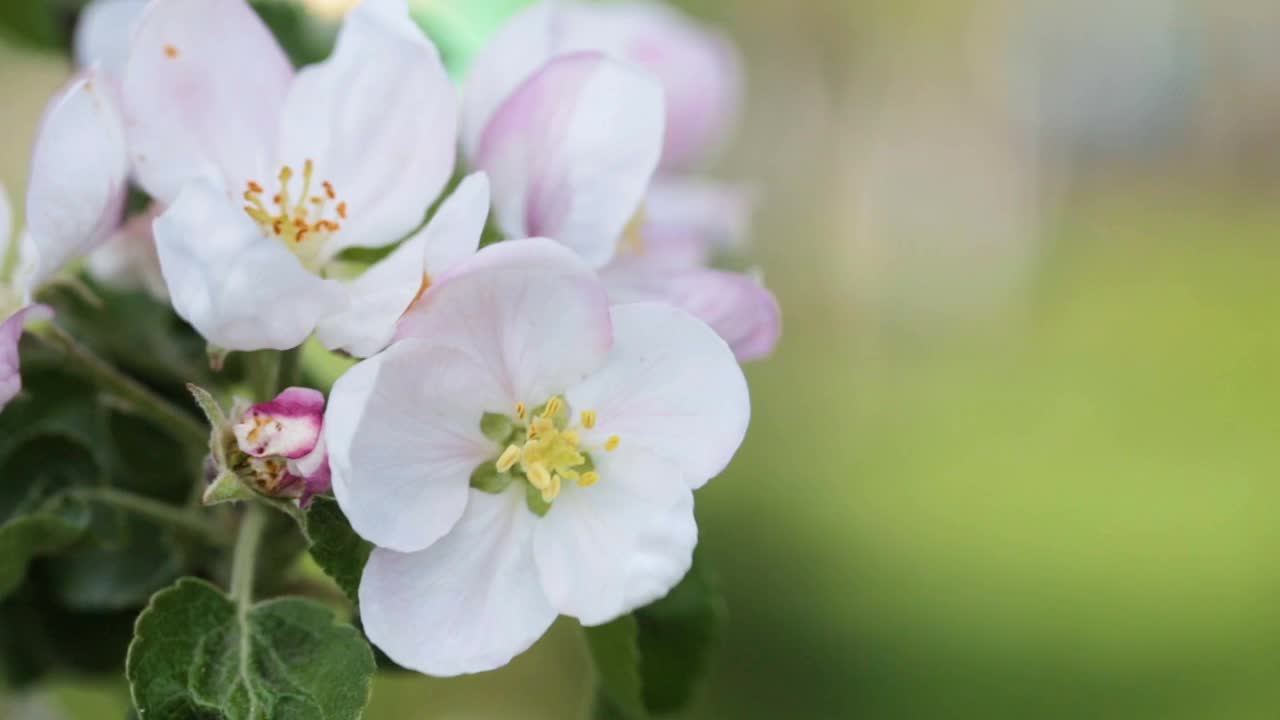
<point>102,34</point>
<point>524,44</point>
<point>469,603</point>
<point>380,120</point>
<point>571,153</point>
<point>670,388</point>
<point>128,259</point>
<point>383,294</point>
<point>528,313</point>
<point>688,219</point>
<point>741,310</point>
<point>238,288</point>
<point>620,544</point>
<point>203,88</point>
<point>10,333</point>
<point>699,68</point>
<point>79,174</point>
<point>403,432</point>
<point>313,471</point>
<point>288,426</point>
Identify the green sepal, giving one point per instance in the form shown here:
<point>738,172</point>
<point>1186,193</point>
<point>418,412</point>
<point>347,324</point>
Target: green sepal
<point>497,427</point>
<point>533,498</point>
<point>486,478</point>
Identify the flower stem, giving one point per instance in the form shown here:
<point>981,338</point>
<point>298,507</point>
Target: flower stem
<point>162,513</point>
<point>246,553</point>
<point>264,374</point>
<point>138,397</point>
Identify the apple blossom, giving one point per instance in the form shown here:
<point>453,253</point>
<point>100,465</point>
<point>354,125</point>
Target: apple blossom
<point>525,450</point>
<point>540,115</point>
<point>285,441</point>
<point>268,175</point>
<point>75,196</point>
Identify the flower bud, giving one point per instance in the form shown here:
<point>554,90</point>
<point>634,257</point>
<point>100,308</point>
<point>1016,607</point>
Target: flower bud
<point>284,443</point>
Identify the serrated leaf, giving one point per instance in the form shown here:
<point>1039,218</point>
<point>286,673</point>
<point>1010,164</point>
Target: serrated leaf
<point>616,655</point>
<point>196,656</point>
<point>339,551</point>
<point>677,638</point>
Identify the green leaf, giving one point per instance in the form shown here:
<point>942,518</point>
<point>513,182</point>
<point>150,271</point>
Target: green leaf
<point>38,520</point>
<point>339,551</point>
<point>196,655</point>
<point>677,638</point>
<point>616,654</point>
<point>38,637</point>
<point>651,662</point>
<point>53,527</point>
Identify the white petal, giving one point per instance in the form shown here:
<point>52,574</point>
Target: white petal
<point>203,88</point>
<point>527,312</point>
<point>128,259</point>
<point>469,603</point>
<point>620,544</point>
<point>103,32</point>
<point>79,172</point>
<point>240,289</point>
<point>403,431</point>
<point>10,334</point>
<point>381,295</point>
<point>688,219</point>
<point>672,388</point>
<point>453,235</point>
<point>571,152</point>
<point>741,310</point>
<point>380,120</point>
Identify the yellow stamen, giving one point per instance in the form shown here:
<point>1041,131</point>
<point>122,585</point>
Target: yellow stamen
<point>612,443</point>
<point>589,478</point>
<point>508,459</point>
<point>552,491</point>
<point>538,475</point>
<point>552,408</point>
<point>588,419</point>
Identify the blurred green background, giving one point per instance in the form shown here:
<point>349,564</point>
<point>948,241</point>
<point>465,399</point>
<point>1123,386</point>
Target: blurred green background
<point>1017,454</point>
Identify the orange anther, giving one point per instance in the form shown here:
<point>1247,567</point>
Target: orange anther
<point>342,210</point>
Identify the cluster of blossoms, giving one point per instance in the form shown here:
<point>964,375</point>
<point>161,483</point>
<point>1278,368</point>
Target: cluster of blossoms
<point>524,434</point>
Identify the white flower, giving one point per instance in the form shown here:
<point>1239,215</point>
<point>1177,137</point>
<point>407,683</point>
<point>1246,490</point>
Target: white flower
<point>526,451</point>
<point>268,174</point>
<point>570,150</point>
<point>569,111</point>
<point>75,196</point>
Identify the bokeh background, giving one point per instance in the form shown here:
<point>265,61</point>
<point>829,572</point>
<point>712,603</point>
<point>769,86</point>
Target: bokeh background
<point>1018,453</point>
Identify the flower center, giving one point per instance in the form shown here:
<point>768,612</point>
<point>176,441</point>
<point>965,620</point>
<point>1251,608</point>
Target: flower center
<point>304,224</point>
<point>550,452</point>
